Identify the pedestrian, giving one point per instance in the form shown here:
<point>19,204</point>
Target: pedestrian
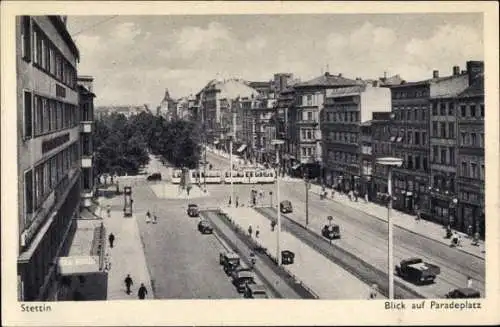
<point>366,197</point>
<point>417,215</point>
<point>273,224</point>
<point>107,262</point>
<point>237,202</point>
<point>111,239</point>
<point>128,282</point>
<point>257,232</point>
<point>373,291</point>
<point>250,230</point>
<point>109,210</point>
<point>469,231</point>
<point>142,292</point>
<point>155,219</point>
<point>229,201</point>
<point>475,240</point>
<point>469,282</point>
<point>148,217</point>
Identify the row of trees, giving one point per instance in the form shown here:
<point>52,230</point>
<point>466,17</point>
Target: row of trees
<point>122,144</point>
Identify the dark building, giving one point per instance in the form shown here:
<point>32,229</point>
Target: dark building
<point>471,143</point>
<point>381,147</point>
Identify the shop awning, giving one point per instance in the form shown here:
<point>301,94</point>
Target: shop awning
<point>77,265</point>
<point>242,148</point>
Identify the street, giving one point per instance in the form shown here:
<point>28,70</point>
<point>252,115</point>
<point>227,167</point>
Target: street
<point>366,237</point>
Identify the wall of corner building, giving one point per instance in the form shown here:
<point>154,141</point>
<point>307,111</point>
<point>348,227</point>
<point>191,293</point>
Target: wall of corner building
<point>452,85</point>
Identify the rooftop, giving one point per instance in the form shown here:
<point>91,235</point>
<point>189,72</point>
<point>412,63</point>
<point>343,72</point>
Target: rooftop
<point>328,79</point>
<point>346,90</point>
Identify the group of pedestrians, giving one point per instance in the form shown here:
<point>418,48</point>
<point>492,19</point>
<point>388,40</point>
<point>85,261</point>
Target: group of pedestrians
<point>141,292</point>
<point>151,218</point>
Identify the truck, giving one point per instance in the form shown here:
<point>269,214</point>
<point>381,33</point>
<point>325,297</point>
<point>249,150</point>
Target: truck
<point>417,271</point>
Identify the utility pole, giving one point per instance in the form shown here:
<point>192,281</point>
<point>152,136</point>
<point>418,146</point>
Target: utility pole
<point>306,182</point>
<point>205,158</point>
<point>232,135</point>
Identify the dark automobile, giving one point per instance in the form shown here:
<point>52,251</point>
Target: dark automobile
<point>242,279</point>
<point>286,206</point>
<point>193,210</point>
<point>463,293</point>
<point>204,227</point>
<point>331,231</point>
<point>236,270</point>
<point>417,271</point>
<point>154,177</point>
<point>229,260</point>
<point>255,291</point>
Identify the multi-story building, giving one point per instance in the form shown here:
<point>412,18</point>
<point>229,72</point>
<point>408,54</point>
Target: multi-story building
<point>366,158</point>
<point>471,142</point>
<point>381,147</point>
<point>168,107</point>
<point>347,152</point>
<point>443,145</point>
<point>86,100</point>
<point>305,128</point>
<point>49,162</point>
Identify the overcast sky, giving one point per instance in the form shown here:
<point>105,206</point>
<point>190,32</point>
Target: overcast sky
<point>134,58</point>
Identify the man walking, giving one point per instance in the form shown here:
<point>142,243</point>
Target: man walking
<point>128,282</point>
<point>111,239</point>
<point>142,292</point>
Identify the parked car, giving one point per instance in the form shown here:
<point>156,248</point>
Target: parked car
<point>417,271</point>
<point>193,210</point>
<point>229,259</point>
<point>463,293</point>
<point>242,267</point>
<point>331,231</point>
<point>242,279</point>
<point>154,177</point>
<point>286,206</point>
<point>255,291</point>
<point>205,227</point>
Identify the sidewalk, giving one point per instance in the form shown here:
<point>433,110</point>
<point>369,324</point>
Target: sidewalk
<point>423,227</point>
<point>324,277</point>
<point>127,255</point>
<point>164,190</point>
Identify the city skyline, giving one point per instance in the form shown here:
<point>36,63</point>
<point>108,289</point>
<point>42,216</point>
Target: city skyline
<point>197,49</point>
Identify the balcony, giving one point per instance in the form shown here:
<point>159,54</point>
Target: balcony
<point>86,126</point>
<point>87,161</point>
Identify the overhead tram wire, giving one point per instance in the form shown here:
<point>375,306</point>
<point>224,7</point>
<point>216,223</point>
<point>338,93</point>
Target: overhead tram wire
<point>94,25</point>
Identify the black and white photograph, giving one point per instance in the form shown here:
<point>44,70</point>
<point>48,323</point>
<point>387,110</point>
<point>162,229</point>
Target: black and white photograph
<point>292,154</point>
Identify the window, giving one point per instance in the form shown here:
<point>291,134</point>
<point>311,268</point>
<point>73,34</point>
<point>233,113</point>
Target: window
<point>28,194</point>
<point>443,160</point>
<point>473,139</point>
<point>434,128</point>
<point>38,114</point>
<point>309,115</point>
<point>473,168</point>
<point>482,110</point>
<point>463,138</point>
<point>451,109</point>
<point>442,127</point>
<point>408,115</point>
<point>451,130</point>
<point>409,137</point>
<point>417,138</point>
<point>415,114</point>
<point>410,162</point>
<point>417,162</point>
<point>309,134</point>
<point>26,37</point>
<point>424,138</point>
<point>463,110</point>
<point>425,164</point>
<point>442,109</point>
<point>309,100</point>
<point>473,110</point>
<point>434,109</point>
<point>482,172</point>
<point>481,140</point>
<point>452,156</point>
<point>304,153</point>
<point>435,154</point>
<point>303,133</point>
<point>28,115</point>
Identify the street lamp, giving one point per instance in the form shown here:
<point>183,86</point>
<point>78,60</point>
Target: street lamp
<point>277,143</point>
<point>306,183</point>
<point>390,162</point>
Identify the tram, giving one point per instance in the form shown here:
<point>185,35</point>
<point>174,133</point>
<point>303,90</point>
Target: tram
<point>176,176</point>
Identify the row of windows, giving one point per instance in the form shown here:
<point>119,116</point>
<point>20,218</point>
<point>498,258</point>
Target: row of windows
<point>45,54</point>
<point>443,109</point>
<point>472,139</point>
<point>413,162</point>
<point>444,130</point>
<point>448,109</point>
<point>409,185</point>
<point>472,170</point>
<point>348,117</point>
<point>308,116</point>
<point>410,137</point>
<point>444,183</point>
<point>345,157</point>
<point>307,134</point>
<point>43,115</point>
<point>470,196</point>
<point>472,110</point>
<point>411,114</point>
<point>443,155</point>
<point>308,151</point>
<point>382,148</point>
<point>344,137</point>
<point>410,94</point>
<point>44,178</point>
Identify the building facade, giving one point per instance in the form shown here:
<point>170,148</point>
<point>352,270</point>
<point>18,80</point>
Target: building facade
<point>346,150</point>
<point>305,134</point>
<point>168,107</point>
<point>86,106</point>
<point>471,142</point>
<point>381,147</point>
<point>49,162</point>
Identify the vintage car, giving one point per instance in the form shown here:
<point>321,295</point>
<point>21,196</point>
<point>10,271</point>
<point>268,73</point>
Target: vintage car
<point>237,269</point>
<point>229,260</point>
<point>205,227</point>
<point>193,210</point>
<point>331,231</point>
<point>154,177</point>
<point>286,206</point>
<point>463,293</point>
<point>242,279</point>
<point>255,291</point>
<point>417,271</point>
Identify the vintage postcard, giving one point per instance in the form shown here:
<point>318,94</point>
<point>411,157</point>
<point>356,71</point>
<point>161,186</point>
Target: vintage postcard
<point>250,163</point>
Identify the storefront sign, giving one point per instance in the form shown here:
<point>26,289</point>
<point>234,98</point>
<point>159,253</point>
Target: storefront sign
<point>55,142</point>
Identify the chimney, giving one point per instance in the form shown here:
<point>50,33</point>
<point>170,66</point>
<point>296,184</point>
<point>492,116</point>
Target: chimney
<point>435,74</point>
<point>456,70</point>
<point>385,75</point>
<point>340,75</point>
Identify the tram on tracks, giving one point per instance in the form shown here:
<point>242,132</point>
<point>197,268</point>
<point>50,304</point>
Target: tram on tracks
<point>239,176</point>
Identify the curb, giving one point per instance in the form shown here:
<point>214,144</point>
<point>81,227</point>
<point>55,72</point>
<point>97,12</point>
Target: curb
<point>151,281</point>
<point>399,226</point>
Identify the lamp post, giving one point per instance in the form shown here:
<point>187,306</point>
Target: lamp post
<point>390,162</point>
<point>306,183</point>
<point>277,143</point>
